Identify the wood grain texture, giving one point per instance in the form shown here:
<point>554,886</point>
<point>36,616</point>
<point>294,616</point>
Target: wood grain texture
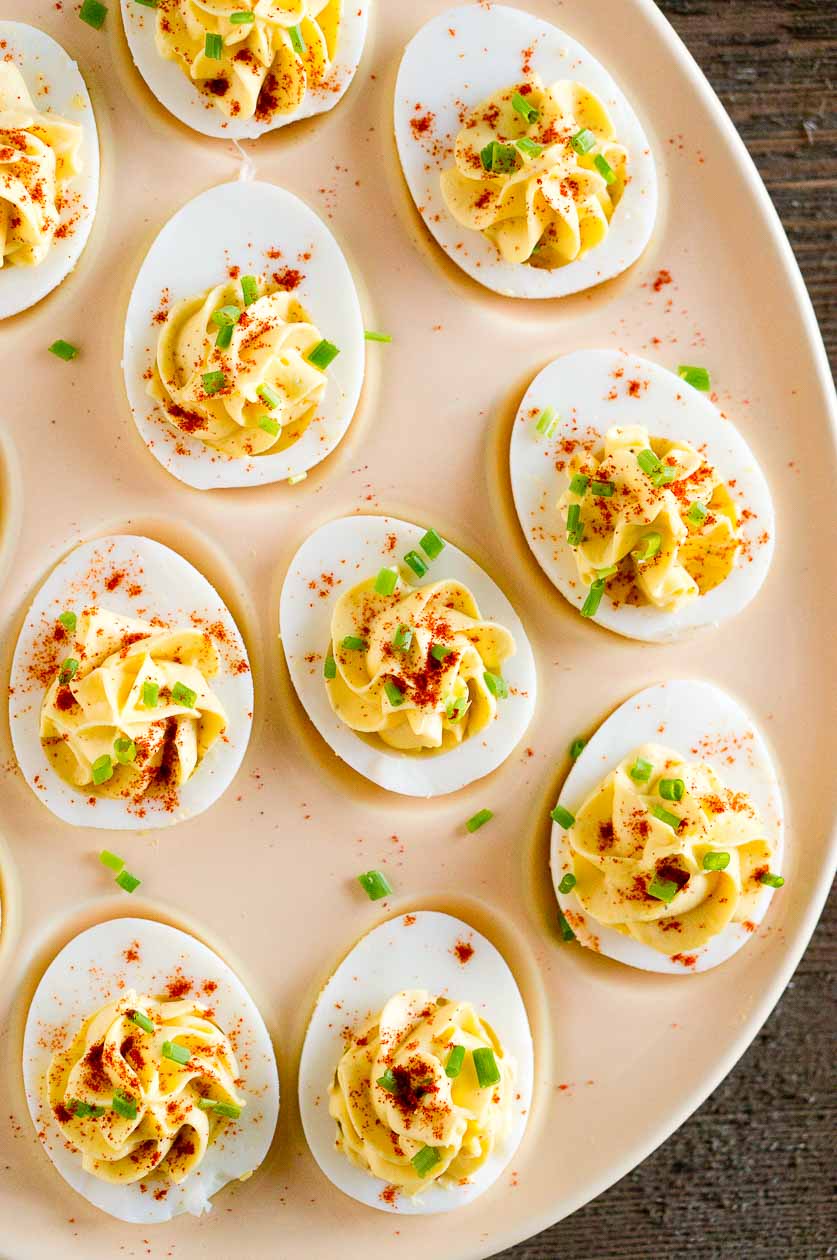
<point>751,1175</point>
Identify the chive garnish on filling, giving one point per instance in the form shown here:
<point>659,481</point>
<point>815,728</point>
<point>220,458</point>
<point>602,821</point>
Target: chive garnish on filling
<point>386,581</point>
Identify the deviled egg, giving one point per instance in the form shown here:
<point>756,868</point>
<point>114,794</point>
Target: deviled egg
<point>244,347</point>
<point>642,504</point>
<point>240,68</point>
<point>131,699</point>
<point>49,166</point>
<point>667,837</point>
<point>149,1073</point>
<point>429,1075</point>
<point>525,160</point>
<point>409,660</point>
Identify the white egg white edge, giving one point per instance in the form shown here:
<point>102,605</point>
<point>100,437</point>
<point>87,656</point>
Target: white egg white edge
<point>481,58</point>
<point>235,224</point>
<point>172,590</point>
<point>182,98</point>
<point>356,548</point>
<point>577,387</point>
<point>83,978</point>
<point>683,715</point>
<point>401,955</point>
<point>44,62</point>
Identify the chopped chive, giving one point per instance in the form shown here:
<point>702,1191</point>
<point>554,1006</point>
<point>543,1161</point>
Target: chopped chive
<point>567,934</point>
<point>496,684</point>
<point>124,1105</point>
<point>271,426</point>
<point>641,770</point>
<point>69,621</point>
<point>414,560</point>
<point>207,1104</point>
<point>297,40</point>
<point>388,1082</point>
<point>664,475</point>
<point>249,289</point>
<point>297,478</point>
<point>150,695</point>
<point>177,1054</point>
<point>530,147</point>
<point>425,1160</point>
<point>69,669</point>
<point>602,489</point>
<point>402,639</point>
<point>213,47</point>
<point>376,336</point>
<point>455,708</point>
<point>583,141</point>
<point>594,597</point>
<point>141,1021</point>
<point>181,694</point>
<point>386,581</point>
<point>229,1110</point>
<point>111,860</point>
<point>525,108</point>
<point>663,889</point>
<point>488,1073</point>
<point>666,816</point>
<point>568,883</point>
<point>268,396</point>
<point>439,652</point>
<point>500,159</point>
<point>324,353</point>
<point>456,1058</point>
<point>697,377</point>
<point>84,1110</point>
<point>224,339</point>
<point>715,861</point>
<point>329,667</point>
<point>547,422</point>
<point>648,461</point>
<point>603,574</point>
<point>651,544</point>
<point>127,881</point>
<point>353,643</point>
<point>771,880</point>
<point>226,316</point>
<point>672,789</point>
<point>241,17</point>
<point>562,817</point>
<point>213,382</point>
<point>125,750</point>
<point>604,168</point>
<point>432,544</point>
<point>93,13</point>
<point>479,819</point>
<point>579,484</point>
<point>577,747</point>
<point>375,884</point>
<point>63,350</point>
<point>697,514</point>
<point>102,769</point>
<point>575,528</point>
<point>394,693</point>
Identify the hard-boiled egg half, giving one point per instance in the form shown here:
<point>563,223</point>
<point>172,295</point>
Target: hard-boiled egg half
<point>149,1073</point>
<point>49,166</point>
<point>244,346</point>
<point>667,837</point>
<point>406,656</point>
<point>239,68</point>
<point>642,504</point>
<point>131,699</point>
<point>525,160</point>
<point>417,1097</point>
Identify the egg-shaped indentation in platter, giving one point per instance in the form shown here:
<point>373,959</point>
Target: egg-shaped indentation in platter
<point>717,518</point>
<point>45,107</point>
<point>11,507</point>
<point>285,63</point>
<point>131,699</point>
<point>399,970</point>
<point>230,340</point>
<point>534,248</point>
<point>135,1034</point>
<point>438,684</point>
<point>731,802</point>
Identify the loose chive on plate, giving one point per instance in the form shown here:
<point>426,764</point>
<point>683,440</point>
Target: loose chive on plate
<point>697,377</point>
<point>715,861</point>
<point>375,884</point>
<point>479,819</point>
<point>111,860</point>
<point>64,350</point>
<point>547,422</point>
<point>496,685</point>
<point>213,46</point>
<point>415,562</point>
<point>69,621</point>
<point>771,880</point>
<point>128,882</point>
<point>562,817</point>
<point>177,1054</point>
<point>456,1058</point>
<point>93,13</point>
<point>568,883</point>
<point>385,338</point>
<point>485,1064</point>
<point>577,747</point>
<point>567,934</point>
<point>386,581</point>
<point>432,544</point>
<point>324,353</point>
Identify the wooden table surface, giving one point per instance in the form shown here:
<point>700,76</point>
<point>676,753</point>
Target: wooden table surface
<point>750,1175</point>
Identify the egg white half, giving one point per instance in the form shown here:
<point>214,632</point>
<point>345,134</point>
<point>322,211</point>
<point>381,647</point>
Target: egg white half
<point>187,103</point>
<point>590,391</point>
<point>82,978</point>
<point>411,952</point>
<point>173,590</point>
<point>702,723</point>
<point>357,547</point>
<point>237,224</point>
<point>464,56</point>
<point>56,86</point>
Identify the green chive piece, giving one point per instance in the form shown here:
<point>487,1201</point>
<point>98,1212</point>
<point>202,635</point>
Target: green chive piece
<point>525,108</point>
<point>530,148</point>
<point>772,881</point>
<point>562,817</point>
<point>663,889</point>
<point>213,47</point>
<point>583,141</point>
<point>697,514</point>
<point>230,1110</point>
<point>497,685</point>
<point>324,353</point>
<point>568,883</point>
<point>603,574</point>
<point>604,168</point>
<point>271,426</point>
<point>63,350</point>
<point>297,41</point>
<point>671,789</point>
<point>84,1110</point>
<point>666,816</point>
<point>294,481</point>
<point>414,560</point>
<point>177,1054</point>
<point>386,581</point>
<point>439,652</point>
<point>125,751</point>
<point>150,695</point>
<point>456,1059</point>
<point>69,621</point>
<point>124,1105</point>
<point>68,670</point>
<point>111,860</point>
<point>249,289</point>
<point>181,694</point>
<point>648,461</point>
<point>479,819</point>
<point>577,747</point>
<point>594,597</point>
<point>575,528</point>
<point>715,861</point>
<point>224,339</point>
<point>213,382</point>
<point>207,1104</point>
<point>226,316</point>
<point>651,544</point>
<point>432,544</point>
<point>93,13</point>
<point>269,396</point>
<point>102,769</point>
<point>141,1021</point>
<point>353,643</point>
<point>425,1160</point>
<point>664,475</point>
<point>602,489</point>
<point>329,667</point>
<point>402,639</point>
<point>127,881</point>
<point>456,708</point>
<point>547,422</point>
<point>376,336</point>
<point>242,17</point>
<point>567,934</point>
<point>488,1073</point>
<point>697,377</point>
<point>394,693</point>
<point>375,884</point>
<point>641,770</point>
<point>579,484</point>
<point>388,1082</point>
<point>499,159</point>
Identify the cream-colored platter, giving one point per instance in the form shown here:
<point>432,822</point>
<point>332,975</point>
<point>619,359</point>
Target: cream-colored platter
<point>266,877</point>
